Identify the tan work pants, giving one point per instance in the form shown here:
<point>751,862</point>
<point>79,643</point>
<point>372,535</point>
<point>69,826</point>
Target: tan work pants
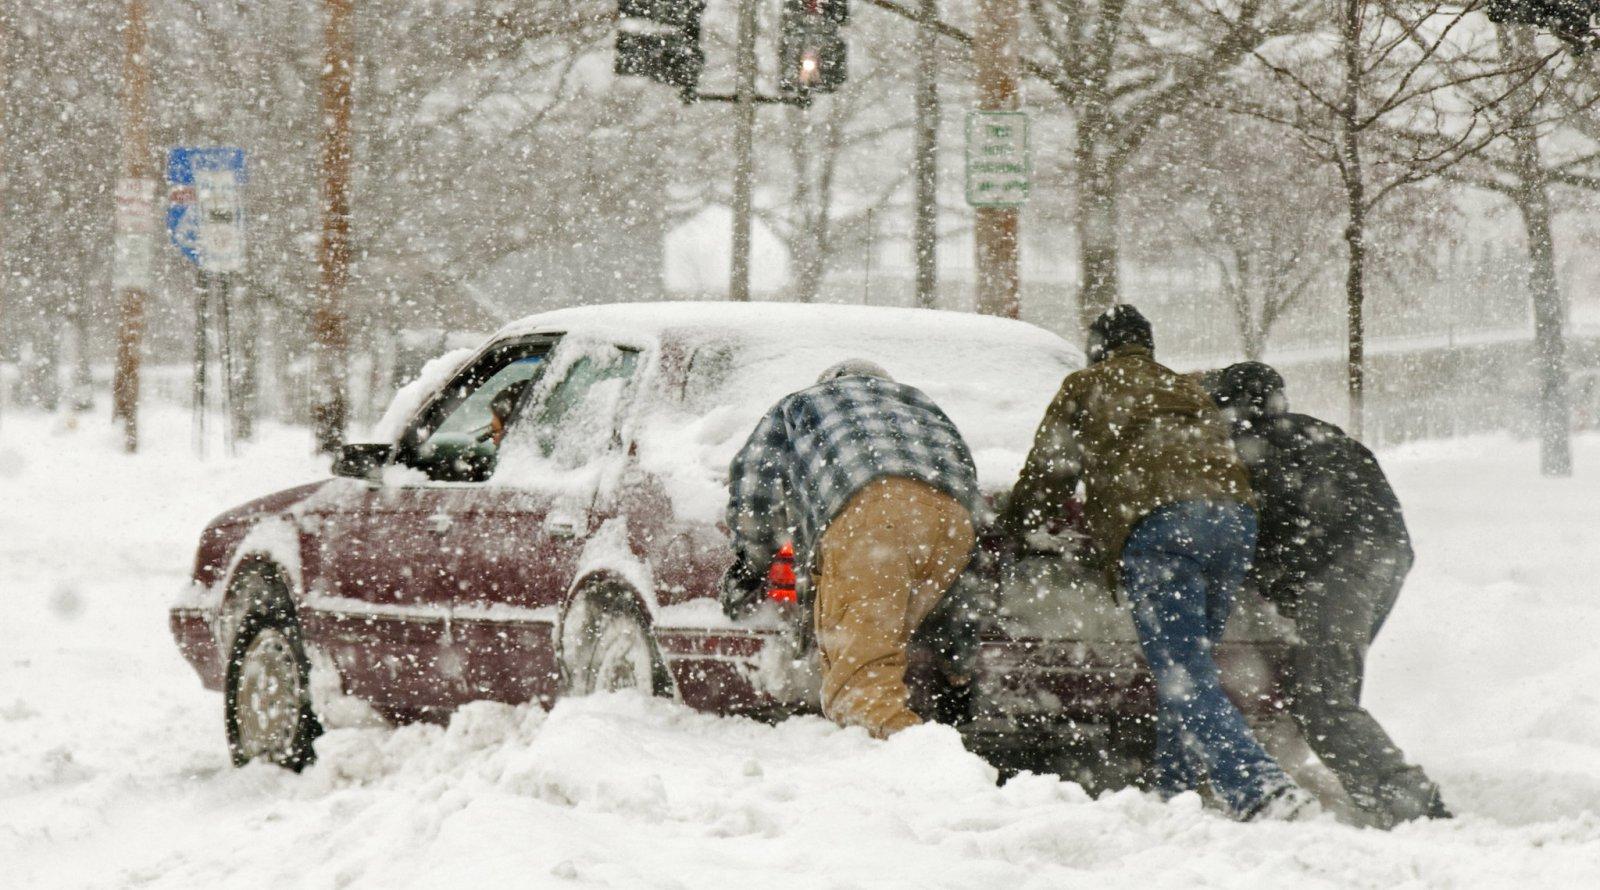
<point>883,564</point>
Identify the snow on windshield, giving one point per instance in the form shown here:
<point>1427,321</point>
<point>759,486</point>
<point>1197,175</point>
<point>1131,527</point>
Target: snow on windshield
<point>994,389</point>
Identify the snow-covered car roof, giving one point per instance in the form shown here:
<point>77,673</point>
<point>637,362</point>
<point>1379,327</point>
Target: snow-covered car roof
<point>798,322</point>
<point>993,376</point>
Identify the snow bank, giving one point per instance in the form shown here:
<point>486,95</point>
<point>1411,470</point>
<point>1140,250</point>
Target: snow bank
<point>113,769</point>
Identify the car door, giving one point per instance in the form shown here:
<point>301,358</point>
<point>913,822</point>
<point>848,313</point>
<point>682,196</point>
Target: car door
<point>523,536</point>
<point>393,562</point>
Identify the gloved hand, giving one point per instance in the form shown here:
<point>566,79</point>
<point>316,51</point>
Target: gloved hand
<point>742,590</point>
<point>1000,545</point>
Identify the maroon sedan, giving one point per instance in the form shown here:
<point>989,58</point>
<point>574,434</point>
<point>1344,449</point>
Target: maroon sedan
<point>581,550</point>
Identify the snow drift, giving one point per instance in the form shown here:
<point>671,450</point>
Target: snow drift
<point>113,770</point>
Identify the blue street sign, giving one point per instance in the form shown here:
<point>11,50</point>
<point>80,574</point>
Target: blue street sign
<point>204,214</point>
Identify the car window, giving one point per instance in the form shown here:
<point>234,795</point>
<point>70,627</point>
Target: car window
<point>455,443</point>
<point>472,416</point>
<point>576,417</point>
<point>709,369</point>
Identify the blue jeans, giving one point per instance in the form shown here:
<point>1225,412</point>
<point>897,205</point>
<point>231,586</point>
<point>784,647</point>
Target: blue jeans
<point>1180,568</point>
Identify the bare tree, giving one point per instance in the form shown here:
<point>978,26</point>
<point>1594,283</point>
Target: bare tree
<point>61,65</point>
<point>813,224</point>
<point>1254,209</point>
<point>1551,141</point>
<point>1124,68</point>
<point>1389,74</point>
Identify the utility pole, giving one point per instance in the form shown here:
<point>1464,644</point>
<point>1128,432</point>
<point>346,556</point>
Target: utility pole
<point>744,99</point>
<point>329,409</point>
<point>925,236</point>
<point>996,229</point>
<point>135,253</point>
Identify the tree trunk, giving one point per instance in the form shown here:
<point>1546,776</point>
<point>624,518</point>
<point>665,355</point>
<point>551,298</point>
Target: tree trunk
<point>925,237</point>
<point>1099,281</point>
<point>806,275</point>
<point>134,248</point>
<point>40,367</point>
<point>1533,202</point>
<point>1355,232</point>
<point>82,389</point>
<point>330,405</point>
<point>1249,315</point>
<point>249,324</point>
<point>1099,274</point>
<point>743,152</point>
<point>808,265</point>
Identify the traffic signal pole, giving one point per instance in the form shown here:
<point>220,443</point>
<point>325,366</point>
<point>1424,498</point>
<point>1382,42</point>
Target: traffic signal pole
<point>744,99</point>
<point>660,39</point>
<point>997,230</point>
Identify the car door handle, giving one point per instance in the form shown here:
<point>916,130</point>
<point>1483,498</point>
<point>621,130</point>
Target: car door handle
<point>441,522</point>
<point>562,525</point>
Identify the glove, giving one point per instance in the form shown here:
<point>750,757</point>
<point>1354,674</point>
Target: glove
<point>742,590</point>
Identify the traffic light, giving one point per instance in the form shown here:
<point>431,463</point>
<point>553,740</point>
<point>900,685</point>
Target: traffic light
<point>1573,21</point>
<point>660,39</point>
<point>811,52</point>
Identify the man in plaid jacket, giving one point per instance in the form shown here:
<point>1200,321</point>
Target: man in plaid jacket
<point>876,489</point>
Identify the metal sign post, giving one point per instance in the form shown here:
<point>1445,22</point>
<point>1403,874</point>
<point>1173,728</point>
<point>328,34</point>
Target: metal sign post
<point>205,218</point>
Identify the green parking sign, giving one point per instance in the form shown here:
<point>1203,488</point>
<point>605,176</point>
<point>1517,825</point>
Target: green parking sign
<point>999,165</point>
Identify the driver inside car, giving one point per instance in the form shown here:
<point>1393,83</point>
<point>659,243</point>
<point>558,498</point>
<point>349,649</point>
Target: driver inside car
<point>501,410</point>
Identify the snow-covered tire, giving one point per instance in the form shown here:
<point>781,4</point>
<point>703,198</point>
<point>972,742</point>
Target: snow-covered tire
<point>267,693</point>
<point>256,586</point>
<point>608,648</point>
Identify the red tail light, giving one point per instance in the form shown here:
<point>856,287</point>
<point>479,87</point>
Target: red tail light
<point>780,576</point>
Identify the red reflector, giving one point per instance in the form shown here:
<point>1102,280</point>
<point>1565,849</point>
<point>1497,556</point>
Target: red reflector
<point>780,576</point>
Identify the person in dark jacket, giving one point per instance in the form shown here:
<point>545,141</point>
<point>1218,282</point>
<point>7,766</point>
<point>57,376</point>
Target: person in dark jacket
<point>1168,509</point>
<point>876,489</point>
<point>1331,555</point>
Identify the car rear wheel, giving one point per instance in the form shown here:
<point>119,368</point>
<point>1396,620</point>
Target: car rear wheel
<point>267,698</point>
<point>611,649</point>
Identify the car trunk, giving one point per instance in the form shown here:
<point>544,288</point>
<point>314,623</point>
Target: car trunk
<point>1060,682</point>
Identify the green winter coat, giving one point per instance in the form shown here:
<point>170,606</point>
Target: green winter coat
<point>1140,436</point>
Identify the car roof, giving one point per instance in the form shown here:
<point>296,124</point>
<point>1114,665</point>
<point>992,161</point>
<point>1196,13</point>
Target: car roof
<point>710,321</point>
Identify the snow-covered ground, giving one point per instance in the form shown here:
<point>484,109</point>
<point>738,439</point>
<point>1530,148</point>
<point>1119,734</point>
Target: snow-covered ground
<point>113,770</point>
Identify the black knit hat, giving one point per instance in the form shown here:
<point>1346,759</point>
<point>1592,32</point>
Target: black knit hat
<point>1251,390</point>
<point>1121,325</point>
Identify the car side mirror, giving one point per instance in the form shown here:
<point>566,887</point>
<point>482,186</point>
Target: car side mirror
<point>362,460</point>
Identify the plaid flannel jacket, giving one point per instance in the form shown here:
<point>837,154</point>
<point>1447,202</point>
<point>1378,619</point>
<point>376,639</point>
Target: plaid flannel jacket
<point>818,447</point>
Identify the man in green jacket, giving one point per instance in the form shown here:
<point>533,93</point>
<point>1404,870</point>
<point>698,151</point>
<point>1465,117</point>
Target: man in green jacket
<point>1169,512</point>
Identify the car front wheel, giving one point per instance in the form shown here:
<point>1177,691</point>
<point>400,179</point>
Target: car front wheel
<point>267,698</point>
<point>611,650</point>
